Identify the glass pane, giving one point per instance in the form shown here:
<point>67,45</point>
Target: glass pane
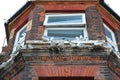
<point>65,19</point>
<point>108,34</point>
<point>22,35</point>
<point>65,34</point>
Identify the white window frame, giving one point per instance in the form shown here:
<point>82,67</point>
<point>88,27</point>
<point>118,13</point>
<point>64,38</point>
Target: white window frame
<point>69,28</point>
<point>17,37</point>
<point>111,42</point>
<point>64,24</point>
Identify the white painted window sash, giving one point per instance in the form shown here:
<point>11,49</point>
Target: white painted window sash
<point>112,43</point>
<point>64,24</point>
<point>19,43</point>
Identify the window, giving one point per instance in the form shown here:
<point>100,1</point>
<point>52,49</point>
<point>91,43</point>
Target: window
<point>110,38</point>
<point>19,40</point>
<point>64,19</point>
<point>65,26</point>
<point>65,33</point>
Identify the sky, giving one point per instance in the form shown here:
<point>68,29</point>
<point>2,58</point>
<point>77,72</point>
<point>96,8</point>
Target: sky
<point>9,7</point>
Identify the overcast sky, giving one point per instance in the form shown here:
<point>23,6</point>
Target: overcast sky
<point>7,9</point>
<point>10,7</point>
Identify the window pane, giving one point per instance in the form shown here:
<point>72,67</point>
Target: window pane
<point>22,34</point>
<point>110,38</point>
<point>65,19</point>
<point>108,34</point>
<point>65,34</point>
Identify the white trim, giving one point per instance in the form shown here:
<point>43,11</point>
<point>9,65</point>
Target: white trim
<point>69,28</point>
<point>17,37</point>
<point>64,24</point>
<point>77,24</point>
<point>112,43</point>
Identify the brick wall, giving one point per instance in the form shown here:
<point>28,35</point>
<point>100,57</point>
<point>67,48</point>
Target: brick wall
<point>11,41</point>
<point>36,30</point>
<point>5,53</point>
<point>16,25</point>
<point>117,35</point>
<point>27,74</point>
<point>94,24</point>
<point>33,71</point>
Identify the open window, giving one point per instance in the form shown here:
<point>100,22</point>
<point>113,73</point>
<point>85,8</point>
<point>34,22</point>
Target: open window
<point>65,26</point>
<point>20,38</point>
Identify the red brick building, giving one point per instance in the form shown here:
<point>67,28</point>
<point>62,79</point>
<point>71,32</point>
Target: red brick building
<point>62,40</point>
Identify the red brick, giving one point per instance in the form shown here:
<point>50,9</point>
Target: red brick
<point>63,71</point>
<point>94,24</point>
<point>35,78</point>
<point>42,19</point>
<point>42,14</point>
<point>65,7</point>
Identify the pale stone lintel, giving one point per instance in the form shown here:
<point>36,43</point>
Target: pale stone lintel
<point>36,42</point>
<point>12,33</point>
<point>29,25</point>
<point>44,42</point>
<point>90,44</point>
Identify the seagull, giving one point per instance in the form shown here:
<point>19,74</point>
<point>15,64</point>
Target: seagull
<point>52,44</point>
<point>60,46</point>
<point>72,44</point>
<point>61,43</point>
<point>53,47</point>
<point>30,46</point>
<point>80,44</point>
<point>77,38</point>
<point>45,38</point>
<point>98,43</point>
<point>81,37</point>
<point>51,38</point>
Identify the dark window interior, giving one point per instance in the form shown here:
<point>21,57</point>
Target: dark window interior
<point>66,78</point>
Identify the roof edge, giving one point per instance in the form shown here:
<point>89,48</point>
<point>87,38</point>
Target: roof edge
<point>19,11</point>
<point>6,31</point>
<point>13,17</point>
<point>110,10</point>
